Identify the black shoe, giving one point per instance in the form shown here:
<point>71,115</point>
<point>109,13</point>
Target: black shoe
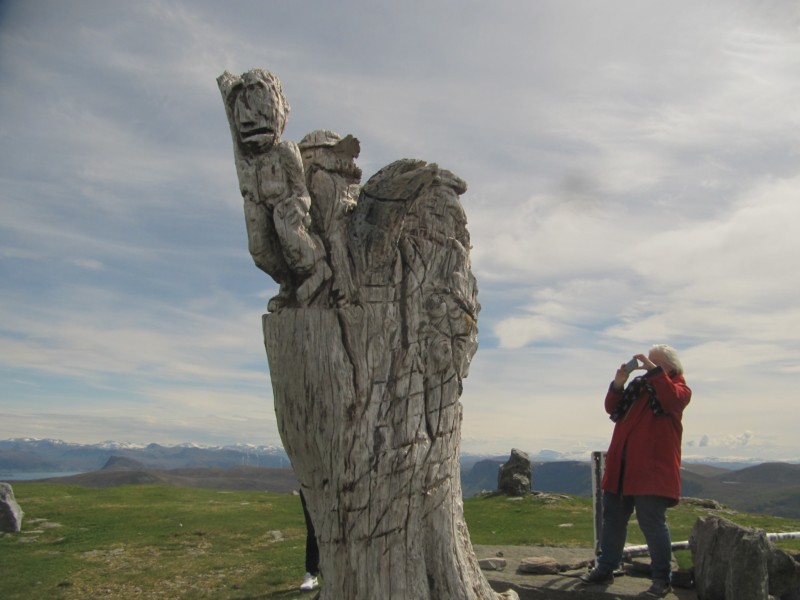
<point>659,589</point>
<point>597,576</point>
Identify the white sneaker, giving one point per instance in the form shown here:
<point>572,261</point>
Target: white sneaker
<point>309,582</point>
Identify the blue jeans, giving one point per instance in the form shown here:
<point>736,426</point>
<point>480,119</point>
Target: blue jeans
<point>651,513</point>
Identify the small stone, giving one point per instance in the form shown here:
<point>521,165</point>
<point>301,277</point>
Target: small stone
<point>539,565</point>
<point>492,564</point>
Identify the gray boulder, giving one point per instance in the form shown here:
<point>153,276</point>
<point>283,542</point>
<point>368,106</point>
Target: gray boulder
<point>514,477</point>
<point>784,575</point>
<point>738,563</point>
<point>10,512</point>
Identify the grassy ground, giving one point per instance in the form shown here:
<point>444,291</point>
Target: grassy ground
<point>567,521</point>
<point>156,541</point>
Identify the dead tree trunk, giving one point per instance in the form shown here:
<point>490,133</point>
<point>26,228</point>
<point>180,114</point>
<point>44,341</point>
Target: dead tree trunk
<point>367,366</point>
<point>367,399</point>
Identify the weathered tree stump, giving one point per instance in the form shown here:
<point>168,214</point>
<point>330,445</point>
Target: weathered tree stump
<point>367,353</point>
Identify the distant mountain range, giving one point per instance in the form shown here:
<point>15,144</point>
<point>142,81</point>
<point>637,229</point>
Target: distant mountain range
<point>769,488</point>
<point>27,455</point>
<point>564,477</point>
<point>126,471</point>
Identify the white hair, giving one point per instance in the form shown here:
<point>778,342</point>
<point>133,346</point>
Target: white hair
<point>670,357</point>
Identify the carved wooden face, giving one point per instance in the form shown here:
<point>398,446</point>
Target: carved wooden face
<point>259,117</point>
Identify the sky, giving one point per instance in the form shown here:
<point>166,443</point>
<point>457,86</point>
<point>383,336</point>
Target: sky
<point>633,171</point>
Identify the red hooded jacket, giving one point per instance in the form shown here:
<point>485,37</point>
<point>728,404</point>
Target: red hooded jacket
<point>644,457</point>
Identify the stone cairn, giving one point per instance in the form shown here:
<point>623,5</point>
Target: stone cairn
<point>514,476</point>
<point>368,341</point>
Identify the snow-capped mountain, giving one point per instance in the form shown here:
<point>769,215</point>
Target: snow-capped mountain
<point>48,455</point>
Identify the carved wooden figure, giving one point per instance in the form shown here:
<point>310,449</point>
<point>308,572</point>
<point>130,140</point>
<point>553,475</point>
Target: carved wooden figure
<point>333,177</point>
<point>272,182</point>
<point>366,368</point>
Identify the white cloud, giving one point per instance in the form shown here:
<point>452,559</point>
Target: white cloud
<point>632,171</point>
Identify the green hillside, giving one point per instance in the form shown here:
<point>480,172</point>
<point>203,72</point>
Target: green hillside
<point>162,541</point>
<point>769,488</point>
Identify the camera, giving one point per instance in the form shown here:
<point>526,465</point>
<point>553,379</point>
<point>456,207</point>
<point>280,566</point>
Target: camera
<point>631,365</point>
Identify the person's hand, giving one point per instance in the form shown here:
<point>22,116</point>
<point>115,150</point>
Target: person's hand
<point>646,362</point>
<point>620,377</point>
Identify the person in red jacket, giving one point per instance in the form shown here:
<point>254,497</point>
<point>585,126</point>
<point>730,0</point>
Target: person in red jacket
<point>643,462</point>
